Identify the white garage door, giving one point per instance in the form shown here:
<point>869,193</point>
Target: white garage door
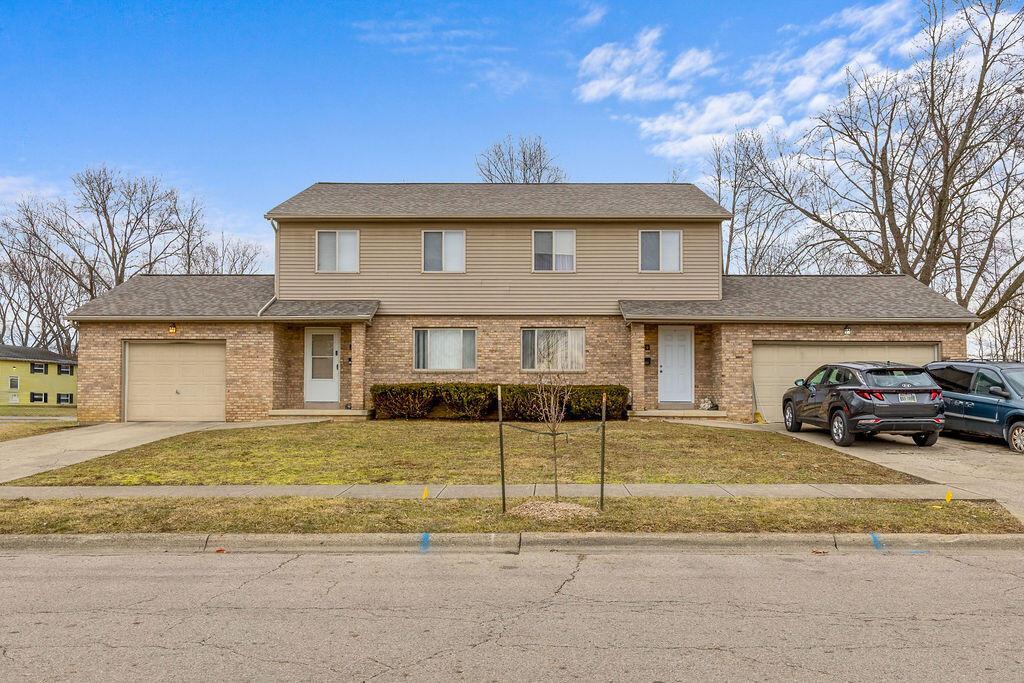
<point>176,381</point>
<point>777,365</point>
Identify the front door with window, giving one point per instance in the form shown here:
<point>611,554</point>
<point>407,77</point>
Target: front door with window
<point>675,364</point>
<point>323,365</point>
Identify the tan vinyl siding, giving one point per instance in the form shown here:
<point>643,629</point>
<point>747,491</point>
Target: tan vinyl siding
<point>498,278</point>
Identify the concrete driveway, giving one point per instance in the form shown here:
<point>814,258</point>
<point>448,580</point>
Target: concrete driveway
<point>979,466</point>
<point>34,454</point>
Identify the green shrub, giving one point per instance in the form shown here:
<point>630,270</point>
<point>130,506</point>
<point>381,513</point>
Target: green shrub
<point>470,401</point>
<point>585,401</point>
<point>404,400</point>
<point>476,401</point>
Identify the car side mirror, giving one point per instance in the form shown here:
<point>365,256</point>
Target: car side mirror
<point>798,382</point>
<point>999,391</point>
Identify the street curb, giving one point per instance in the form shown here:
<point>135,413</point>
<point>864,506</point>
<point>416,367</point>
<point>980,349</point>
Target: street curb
<point>511,543</point>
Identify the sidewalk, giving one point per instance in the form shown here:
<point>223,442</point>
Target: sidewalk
<point>416,491</point>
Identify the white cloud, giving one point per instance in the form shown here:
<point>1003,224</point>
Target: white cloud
<point>783,90</point>
<point>594,15</point>
<point>637,71</point>
<point>14,188</point>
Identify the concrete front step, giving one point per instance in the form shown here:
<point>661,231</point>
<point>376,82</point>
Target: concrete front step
<point>339,414</point>
<point>685,412</point>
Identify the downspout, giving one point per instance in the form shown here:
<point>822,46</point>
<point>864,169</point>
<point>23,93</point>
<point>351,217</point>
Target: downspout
<point>277,252</point>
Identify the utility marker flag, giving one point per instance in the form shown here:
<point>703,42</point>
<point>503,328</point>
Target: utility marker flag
<point>949,495</point>
<point>426,493</point>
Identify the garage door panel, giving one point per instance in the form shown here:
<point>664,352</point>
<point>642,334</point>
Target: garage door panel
<point>176,381</point>
<point>776,366</point>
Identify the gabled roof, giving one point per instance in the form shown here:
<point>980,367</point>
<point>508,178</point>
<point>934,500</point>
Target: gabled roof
<point>212,297</point>
<point>32,353</point>
<point>182,297</point>
<point>607,201</point>
<point>808,298</point>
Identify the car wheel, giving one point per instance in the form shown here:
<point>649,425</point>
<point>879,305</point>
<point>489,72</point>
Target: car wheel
<point>1015,437</point>
<point>839,427</point>
<point>789,417</point>
<point>926,438</point>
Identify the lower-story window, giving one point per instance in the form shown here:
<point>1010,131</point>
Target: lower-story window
<point>444,349</point>
<point>553,349</point>
<point>38,397</point>
<point>65,399</point>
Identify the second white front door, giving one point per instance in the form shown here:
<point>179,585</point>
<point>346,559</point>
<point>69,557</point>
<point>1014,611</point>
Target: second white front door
<point>323,365</point>
<point>675,363</point>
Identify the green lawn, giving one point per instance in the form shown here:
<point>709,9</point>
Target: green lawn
<point>334,515</point>
<point>37,411</point>
<point>22,429</point>
<point>437,452</point>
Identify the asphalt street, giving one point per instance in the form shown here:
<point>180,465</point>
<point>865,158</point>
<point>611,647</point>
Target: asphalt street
<point>537,615</point>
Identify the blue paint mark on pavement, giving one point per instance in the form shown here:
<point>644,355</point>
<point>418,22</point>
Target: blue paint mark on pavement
<point>876,541</point>
<point>425,542</point>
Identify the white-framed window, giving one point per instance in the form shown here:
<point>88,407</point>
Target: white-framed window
<point>337,251</point>
<point>38,369</point>
<point>65,369</point>
<point>444,348</point>
<point>13,382</point>
<point>553,349</point>
<point>444,251</point>
<point>554,251</point>
<point>38,397</point>
<point>65,399</point>
<point>661,251</point>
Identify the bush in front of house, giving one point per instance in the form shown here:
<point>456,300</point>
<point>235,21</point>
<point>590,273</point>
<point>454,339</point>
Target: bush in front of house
<point>476,401</point>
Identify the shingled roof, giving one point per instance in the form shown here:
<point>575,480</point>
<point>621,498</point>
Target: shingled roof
<point>31,353</point>
<point>499,200</point>
<point>211,297</point>
<point>808,298</point>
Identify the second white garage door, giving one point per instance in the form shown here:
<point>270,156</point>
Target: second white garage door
<point>777,365</point>
<point>175,381</point>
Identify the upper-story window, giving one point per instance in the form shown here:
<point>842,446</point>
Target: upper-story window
<point>337,251</point>
<point>38,369</point>
<point>661,251</point>
<point>444,251</point>
<point>554,251</point>
<point>65,369</point>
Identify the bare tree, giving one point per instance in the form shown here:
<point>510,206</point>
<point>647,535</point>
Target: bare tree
<point>919,171</point>
<point>550,403</point>
<point>762,236</point>
<point>525,161</point>
<point>57,254</point>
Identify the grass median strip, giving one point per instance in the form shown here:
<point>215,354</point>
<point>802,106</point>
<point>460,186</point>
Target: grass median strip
<point>449,452</point>
<point>23,429</point>
<point>332,515</point>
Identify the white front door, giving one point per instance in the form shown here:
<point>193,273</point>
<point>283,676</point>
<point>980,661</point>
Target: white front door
<point>675,363</point>
<point>323,364</point>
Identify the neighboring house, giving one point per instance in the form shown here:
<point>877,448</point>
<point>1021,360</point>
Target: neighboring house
<point>604,282</point>
<point>37,377</point>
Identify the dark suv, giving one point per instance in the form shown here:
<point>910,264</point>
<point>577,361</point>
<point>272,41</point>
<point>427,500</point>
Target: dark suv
<point>983,397</point>
<point>867,398</point>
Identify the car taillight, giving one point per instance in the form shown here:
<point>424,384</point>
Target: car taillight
<point>936,394</point>
<point>868,395</point>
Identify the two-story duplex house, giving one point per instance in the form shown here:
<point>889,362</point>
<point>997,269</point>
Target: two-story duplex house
<point>606,283</point>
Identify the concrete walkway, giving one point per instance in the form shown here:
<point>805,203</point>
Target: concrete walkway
<point>415,491</point>
<point>34,454</point>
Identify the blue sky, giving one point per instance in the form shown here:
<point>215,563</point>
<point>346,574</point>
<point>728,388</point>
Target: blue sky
<point>247,103</point>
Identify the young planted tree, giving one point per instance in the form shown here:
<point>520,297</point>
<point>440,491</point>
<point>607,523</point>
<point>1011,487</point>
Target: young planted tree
<point>550,403</point>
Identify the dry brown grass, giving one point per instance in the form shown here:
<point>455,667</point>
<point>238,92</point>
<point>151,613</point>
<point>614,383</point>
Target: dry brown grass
<point>447,452</point>
<point>19,430</point>
<point>334,515</point>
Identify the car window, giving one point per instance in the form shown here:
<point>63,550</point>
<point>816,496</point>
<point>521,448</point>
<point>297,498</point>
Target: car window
<point>839,376</point>
<point>818,376</point>
<point>1015,376</point>
<point>898,377</point>
<point>952,378</point>
<point>986,379</point>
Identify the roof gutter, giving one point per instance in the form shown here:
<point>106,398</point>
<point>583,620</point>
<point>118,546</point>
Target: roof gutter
<point>762,318</point>
<point>506,219</point>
